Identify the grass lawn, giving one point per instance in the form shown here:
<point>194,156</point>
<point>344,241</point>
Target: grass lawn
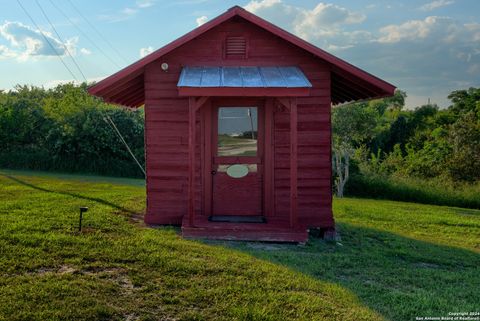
<point>395,261</point>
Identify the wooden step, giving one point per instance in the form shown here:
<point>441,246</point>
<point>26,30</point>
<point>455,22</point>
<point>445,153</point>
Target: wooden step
<point>271,231</point>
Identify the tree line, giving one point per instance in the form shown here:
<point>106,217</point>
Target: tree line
<point>380,148</point>
<point>65,129</point>
<point>380,141</point>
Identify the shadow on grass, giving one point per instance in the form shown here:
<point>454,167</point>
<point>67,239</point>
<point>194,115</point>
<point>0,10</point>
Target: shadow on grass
<point>400,278</point>
<point>75,195</point>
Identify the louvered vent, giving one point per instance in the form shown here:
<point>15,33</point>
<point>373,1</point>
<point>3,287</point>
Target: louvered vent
<point>235,47</point>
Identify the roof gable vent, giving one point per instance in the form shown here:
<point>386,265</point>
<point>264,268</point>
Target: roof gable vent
<point>235,47</point>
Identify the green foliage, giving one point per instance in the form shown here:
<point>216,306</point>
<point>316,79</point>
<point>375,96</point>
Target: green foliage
<point>419,155</point>
<point>464,138</point>
<point>63,129</point>
<point>465,101</point>
<point>352,124</point>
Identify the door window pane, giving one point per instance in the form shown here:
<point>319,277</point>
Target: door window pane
<point>237,131</point>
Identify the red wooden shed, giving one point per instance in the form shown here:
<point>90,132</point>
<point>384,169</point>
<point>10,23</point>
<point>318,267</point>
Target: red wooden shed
<point>237,128</point>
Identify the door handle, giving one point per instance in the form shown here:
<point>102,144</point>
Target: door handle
<point>214,172</point>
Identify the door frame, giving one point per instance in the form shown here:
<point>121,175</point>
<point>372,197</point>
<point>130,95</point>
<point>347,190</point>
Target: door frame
<point>265,146</point>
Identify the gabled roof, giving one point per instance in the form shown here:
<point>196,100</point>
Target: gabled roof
<point>348,83</point>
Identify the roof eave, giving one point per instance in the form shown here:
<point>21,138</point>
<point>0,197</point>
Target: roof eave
<point>384,88</point>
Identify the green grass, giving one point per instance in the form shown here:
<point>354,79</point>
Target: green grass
<point>395,261</point>
<point>408,189</point>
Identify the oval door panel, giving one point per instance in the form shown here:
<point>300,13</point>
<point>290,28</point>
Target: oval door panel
<point>237,171</point>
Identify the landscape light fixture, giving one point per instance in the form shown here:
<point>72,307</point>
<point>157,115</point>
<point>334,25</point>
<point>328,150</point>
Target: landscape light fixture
<point>82,210</point>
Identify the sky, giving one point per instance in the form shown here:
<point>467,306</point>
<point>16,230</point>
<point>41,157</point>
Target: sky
<point>426,48</point>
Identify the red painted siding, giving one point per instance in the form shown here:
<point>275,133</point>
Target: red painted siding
<point>167,127</point>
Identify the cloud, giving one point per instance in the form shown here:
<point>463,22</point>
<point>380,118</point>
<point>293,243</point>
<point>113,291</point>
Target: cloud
<point>145,3</point>
<point>145,51</point>
<point>201,20</point>
<point>56,82</point>
<point>323,24</point>
<point>127,12</point>
<point>5,52</point>
<point>30,42</point>
<point>85,51</point>
<point>474,28</point>
<point>428,57</point>
<point>442,28</point>
<point>436,4</point>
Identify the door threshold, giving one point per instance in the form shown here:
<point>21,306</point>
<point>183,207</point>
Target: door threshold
<point>237,219</point>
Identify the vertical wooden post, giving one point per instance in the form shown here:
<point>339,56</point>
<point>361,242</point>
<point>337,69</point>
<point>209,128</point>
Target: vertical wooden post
<point>191,160</point>
<point>208,159</point>
<point>293,163</point>
<point>268,158</point>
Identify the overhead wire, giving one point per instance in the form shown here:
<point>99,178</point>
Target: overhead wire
<point>61,40</point>
<point>125,143</point>
<point>47,40</point>
<point>84,34</point>
<point>107,117</point>
<point>97,31</point>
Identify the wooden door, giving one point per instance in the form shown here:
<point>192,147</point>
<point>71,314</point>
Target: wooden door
<point>237,160</point>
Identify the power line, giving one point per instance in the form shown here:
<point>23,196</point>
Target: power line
<point>47,40</point>
<point>84,34</point>
<point>98,32</point>
<point>61,40</point>
<point>107,117</point>
<point>125,143</point>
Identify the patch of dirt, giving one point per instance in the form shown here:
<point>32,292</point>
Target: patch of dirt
<point>131,317</point>
<point>65,269</point>
<point>101,271</point>
<point>42,271</point>
<point>126,284</point>
<point>426,265</point>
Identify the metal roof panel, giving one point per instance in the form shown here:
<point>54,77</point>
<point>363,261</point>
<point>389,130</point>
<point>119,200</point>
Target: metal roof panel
<point>246,77</point>
<point>251,77</point>
<point>232,77</point>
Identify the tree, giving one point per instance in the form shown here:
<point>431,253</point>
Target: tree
<point>464,137</point>
<point>352,125</point>
<point>464,101</point>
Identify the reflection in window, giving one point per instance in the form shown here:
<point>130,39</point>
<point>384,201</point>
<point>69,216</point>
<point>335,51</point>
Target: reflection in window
<point>237,131</point>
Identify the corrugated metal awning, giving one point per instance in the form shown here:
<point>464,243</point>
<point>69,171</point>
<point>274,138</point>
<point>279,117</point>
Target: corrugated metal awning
<point>243,77</point>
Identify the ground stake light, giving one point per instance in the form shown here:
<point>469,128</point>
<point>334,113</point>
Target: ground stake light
<point>82,210</point>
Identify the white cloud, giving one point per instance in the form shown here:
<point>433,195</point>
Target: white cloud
<point>145,3</point>
<point>474,28</point>
<point>443,28</point>
<point>127,12</point>
<point>5,52</point>
<point>324,23</point>
<point>85,51</point>
<point>145,51</point>
<point>201,20</point>
<point>29,42</point>
<point>428,57</point>
<point>474,69</point>
<point>55,83</point>
<point>436,4</point>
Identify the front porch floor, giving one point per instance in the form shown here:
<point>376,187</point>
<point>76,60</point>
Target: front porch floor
<point>274,230</point>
